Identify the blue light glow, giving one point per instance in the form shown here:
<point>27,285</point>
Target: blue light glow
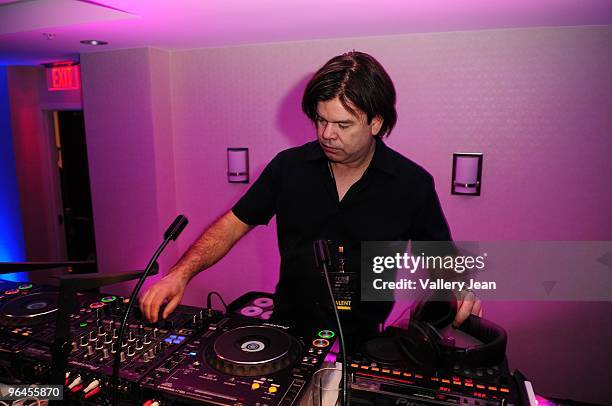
<point>11,232</point>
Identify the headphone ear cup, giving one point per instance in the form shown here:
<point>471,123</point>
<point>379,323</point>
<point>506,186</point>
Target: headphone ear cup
<point>421,344</point>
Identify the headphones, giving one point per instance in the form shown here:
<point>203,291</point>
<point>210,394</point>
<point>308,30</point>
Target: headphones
<point>423,344</point>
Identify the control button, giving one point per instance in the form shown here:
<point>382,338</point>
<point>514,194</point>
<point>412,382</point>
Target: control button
<point>108,299</point>
<point>82,324</point>
<point>25,286</point>
<point>320,343</point>
<point>326,334</point>
<point>11,292</point>
<point>255,386</point>
<point>272,389</point>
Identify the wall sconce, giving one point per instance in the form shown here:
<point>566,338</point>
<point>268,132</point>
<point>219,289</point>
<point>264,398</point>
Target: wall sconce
<point>238,165</point>
<point>467,173</point>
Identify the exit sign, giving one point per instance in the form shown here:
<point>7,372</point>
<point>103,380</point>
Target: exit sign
<point>63,77</point>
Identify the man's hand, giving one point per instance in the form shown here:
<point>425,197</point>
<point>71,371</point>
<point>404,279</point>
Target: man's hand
<point>171,287</point>
<point>467,304</point>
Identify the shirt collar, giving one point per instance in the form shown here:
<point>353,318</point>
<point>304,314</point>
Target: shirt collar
<point>383,158</point>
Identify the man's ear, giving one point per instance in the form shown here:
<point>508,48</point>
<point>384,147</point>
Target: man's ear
<point>376,125</point>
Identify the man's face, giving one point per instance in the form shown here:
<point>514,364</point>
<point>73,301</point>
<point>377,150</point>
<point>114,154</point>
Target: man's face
<point>344,137</point>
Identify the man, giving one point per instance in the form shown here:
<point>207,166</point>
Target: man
<point>347,186</point>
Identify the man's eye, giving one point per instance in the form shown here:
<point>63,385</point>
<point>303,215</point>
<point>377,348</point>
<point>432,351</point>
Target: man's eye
<point>343,126</point>
<point>320,121</point>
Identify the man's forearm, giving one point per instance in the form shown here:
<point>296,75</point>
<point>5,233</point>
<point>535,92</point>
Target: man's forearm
<point>211,246</point>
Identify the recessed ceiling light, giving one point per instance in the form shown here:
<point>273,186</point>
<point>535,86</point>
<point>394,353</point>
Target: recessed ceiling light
<point>93,42</point>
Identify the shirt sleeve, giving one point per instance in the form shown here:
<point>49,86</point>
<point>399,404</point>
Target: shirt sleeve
<point>258,205</point>
<point>430,223</point>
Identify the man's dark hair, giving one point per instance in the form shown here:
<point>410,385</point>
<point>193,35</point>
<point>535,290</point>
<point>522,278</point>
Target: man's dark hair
<point>358,80</point>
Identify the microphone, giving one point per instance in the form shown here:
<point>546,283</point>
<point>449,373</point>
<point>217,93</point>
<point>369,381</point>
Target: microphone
<point>323,261</point>
<point>176,228</point>
<point>171,234</point>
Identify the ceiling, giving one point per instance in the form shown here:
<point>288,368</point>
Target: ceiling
<point>38,31</point>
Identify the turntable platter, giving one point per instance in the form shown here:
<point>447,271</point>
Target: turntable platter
<point>253,351</point>
<point>30,309</point>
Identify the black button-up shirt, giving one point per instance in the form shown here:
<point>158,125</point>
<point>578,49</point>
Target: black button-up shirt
<point>394,200</point>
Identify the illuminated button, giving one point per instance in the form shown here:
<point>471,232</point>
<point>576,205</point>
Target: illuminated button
<point>168,340</point>
<point>375,369</point>
<point>320,343</point>
<point>96,305</point>
<point>396,372</point>
<point>469,384</point>
<point>326,334</point>
<point>408,374</point>
<point>172,336</point>
<point>11,292</point>
<point>255,386</point>
<point>480,386</point>
<point>506,390</point>
<point>365,367</point>
<point>108,299</point>
<point>192,353</point>
<point>82,324</point>
<point>272,389</point>
<point>354,365</point>
<point>25,286</point>
<point>445,381</point>
<point>433,378</point>
<point>418,376</point>
<point>493,388</point>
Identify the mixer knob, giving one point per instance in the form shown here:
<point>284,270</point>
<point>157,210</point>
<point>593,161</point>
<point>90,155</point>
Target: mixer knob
<point>105,354</point>
<point>115,334</point>
<point>84,341</point>
<point>98,314</point>
<point>75,346</point>
<point>146,339</point>
<point>138,345</point>
<point>151,353</point>
<point>195,319</point>
<point>122,356</point>
<point>90,350</point>
<point>124,343</point>
<point>108,339</point>
<point>99,345</point>
<point>145,357</point>
<point>101,331</point>
<point>93,336</point>
<point>130,351</point>
<point>154,332</point>
<point>132,337</point>
<point>113,348</point>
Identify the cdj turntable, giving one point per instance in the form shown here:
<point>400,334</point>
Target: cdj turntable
<point>241,361</point>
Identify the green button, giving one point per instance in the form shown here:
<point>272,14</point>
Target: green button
<point>82,324</point>
<point>25,286</point>
<point>108,299</point>
<point>326,334</point>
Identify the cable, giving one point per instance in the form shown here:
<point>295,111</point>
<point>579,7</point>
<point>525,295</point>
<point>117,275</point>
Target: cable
<point>323,260</point>
<point>209,300</point>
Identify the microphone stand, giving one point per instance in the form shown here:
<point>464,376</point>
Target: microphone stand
<point>171,234</point>
<point>323,261</point>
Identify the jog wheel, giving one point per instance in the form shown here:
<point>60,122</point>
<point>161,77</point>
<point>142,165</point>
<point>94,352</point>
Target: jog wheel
<point>34,308</point>
<point>253,351</point>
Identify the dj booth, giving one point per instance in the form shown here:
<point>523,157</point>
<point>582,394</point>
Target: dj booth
<point>203,356</point>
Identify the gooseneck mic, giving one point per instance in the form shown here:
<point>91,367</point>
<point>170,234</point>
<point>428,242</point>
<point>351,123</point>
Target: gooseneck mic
<point>177,226</point>
<point>323,261</point>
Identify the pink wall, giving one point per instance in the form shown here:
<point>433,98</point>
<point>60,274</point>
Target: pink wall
<point>536,102</point>
<point>129,143</point>
<point>35,154</point>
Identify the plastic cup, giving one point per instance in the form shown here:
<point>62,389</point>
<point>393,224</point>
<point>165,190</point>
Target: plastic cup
<point>325,389</point>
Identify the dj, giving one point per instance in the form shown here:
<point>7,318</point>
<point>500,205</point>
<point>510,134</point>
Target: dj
<point>347,186</point>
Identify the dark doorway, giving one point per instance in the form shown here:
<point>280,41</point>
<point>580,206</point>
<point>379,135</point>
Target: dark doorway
<point>77,216</point>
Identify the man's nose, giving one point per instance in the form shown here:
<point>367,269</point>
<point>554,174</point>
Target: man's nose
<point>328,131</point>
